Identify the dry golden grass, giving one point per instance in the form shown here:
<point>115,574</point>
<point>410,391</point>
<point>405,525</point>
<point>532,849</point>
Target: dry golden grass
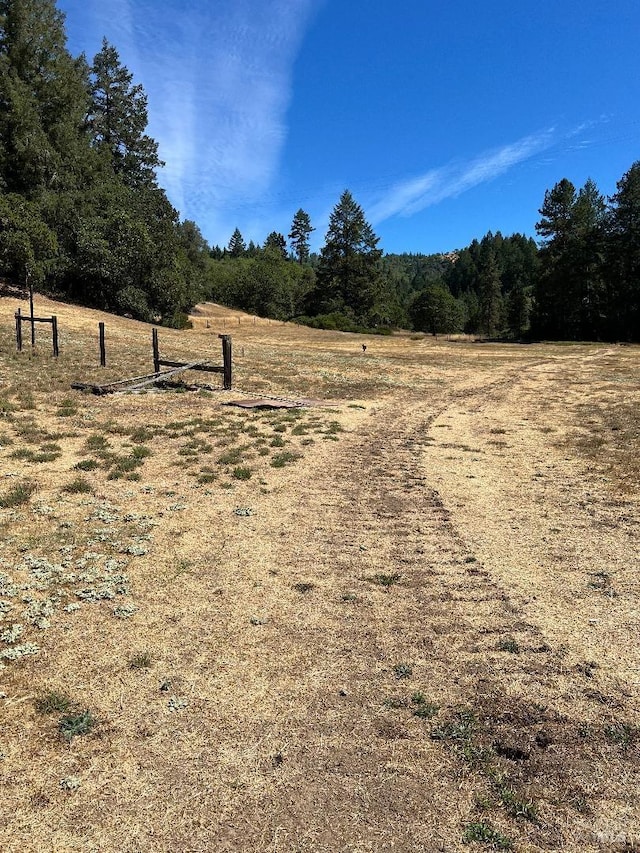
<point>404,621</point>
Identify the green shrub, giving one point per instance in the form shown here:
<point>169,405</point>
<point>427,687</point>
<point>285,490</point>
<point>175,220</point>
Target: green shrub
<point>241,473</point>
<point>86,465</point>
<point>52,703</point>
<point>17,495</point>
<point>79,486</point>
<point>73,725</point>
<point>284,458</point>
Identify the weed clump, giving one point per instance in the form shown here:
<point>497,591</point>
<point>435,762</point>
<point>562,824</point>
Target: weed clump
<point>141,660</point>
<point>242,473</point>
<point>622,734</point>
<point>403,670</point>
<point>508,644</point>
<point>484,833</point>
<point>386,580</point>
<point>79,486</point>
<point>86,465</point>
<point>282,459</point>
<point>424,709</point>
<point>52,703</point>
<point>17,495</point>
<point>96,442</point>
<point>73,725</point>
<point>67,409</point>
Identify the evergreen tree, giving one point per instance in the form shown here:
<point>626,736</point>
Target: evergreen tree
<point>556,224</point>
<point>349,276</point>
<point>587,255</point>
<point>489,292</point>
<point>118,119</point>
<point>518,308</point>
<point>27,245</point>
<point>301,230</point>
<point>43,100</point>
<point>554,289</point>
<point>570,293</point>
<point>237,247</point>
<point>624,257</point>
<point>276,242</point>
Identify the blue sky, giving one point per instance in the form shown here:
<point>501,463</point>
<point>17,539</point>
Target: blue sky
<point>445,120</point>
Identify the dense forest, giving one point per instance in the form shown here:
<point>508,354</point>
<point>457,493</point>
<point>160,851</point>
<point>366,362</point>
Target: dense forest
<point>83,218</point>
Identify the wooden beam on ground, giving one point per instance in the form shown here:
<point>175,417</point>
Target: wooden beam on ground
<point>139,381</point>
<point>165,375</point>
<point>203,365</point>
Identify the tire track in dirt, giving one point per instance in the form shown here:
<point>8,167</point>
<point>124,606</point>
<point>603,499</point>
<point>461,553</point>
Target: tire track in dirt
<point>372,515</point>
<point>371,511</point>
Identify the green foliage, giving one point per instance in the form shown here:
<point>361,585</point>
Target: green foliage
<point>387,580</point>
<point>508,644</point>
<point>117,119</point>
<point>349,275</point>
<point>80,209</point>
<point>436,310</point>
<point>338,322</point>
<point>17,495</point>
<point>241,473</point>
<point>79,486</point>
<point>27,245</point>
<point>284,458</point>
<point>52,702</point>
<point>277,244</point>
<point>76,724</point>
<point>622,258</point>
<point>570,289</point>
<point>489,291</point>
<point>86,465</point>
<point>82,217</point>
<point>424,709</point>
<point>622,734</point>
<point>301,230</point>
<point>237,247</point>
<point>484,833</point>
<point>266,284</point>
<point>492,279</point>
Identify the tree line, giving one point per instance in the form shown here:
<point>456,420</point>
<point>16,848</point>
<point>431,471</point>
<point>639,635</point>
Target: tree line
<point>81,214</point>
<point>82,217</point>
<point>582,282</point>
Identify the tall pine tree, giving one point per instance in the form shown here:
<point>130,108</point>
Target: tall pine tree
<point>118,120</point>
<point>237,247</point>
<point>624,257</point>
<point>349,275</point>
<point>301,230</point>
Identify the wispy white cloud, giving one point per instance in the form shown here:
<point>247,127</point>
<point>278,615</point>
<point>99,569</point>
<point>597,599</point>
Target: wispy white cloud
<point>408,197</point>
<point>221,88</point>
<point>219,80</point>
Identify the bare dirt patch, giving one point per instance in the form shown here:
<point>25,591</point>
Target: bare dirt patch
<point>408,621</point>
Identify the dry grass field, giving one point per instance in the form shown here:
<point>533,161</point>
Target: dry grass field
<point>405,620</point>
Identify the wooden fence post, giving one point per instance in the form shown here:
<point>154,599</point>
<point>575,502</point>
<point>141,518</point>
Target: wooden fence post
<point>19,330</point>
<point>227,363</point>
<point>103,350</point>
<point>156,351</point>
<point>54,334</point>
<point>29,285</point>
